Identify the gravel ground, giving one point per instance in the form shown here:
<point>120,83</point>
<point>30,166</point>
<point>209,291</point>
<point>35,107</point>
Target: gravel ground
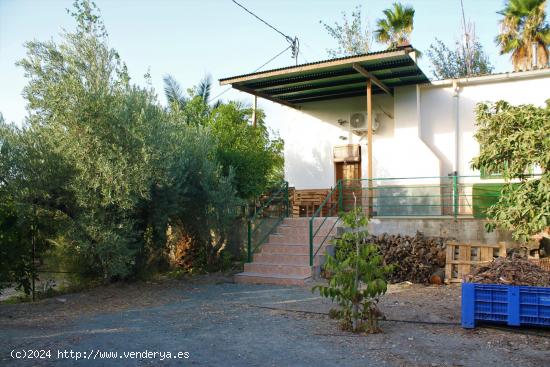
<point>224,324</point>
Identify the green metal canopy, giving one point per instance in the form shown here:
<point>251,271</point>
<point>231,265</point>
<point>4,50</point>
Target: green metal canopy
<point>331,79</point>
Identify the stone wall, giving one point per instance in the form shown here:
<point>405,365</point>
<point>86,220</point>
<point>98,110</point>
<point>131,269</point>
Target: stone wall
<point>467,230</point>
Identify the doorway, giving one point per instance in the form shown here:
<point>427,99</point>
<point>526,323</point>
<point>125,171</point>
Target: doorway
<point>347,167</point>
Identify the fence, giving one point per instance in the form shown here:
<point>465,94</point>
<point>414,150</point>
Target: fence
<point>421,196</point>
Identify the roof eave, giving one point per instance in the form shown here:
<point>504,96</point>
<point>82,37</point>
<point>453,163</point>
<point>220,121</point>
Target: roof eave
<point>314,66</point>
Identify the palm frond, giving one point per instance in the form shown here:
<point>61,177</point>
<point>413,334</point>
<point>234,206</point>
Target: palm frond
<point>396,26</point>
<point>524,23</point>
<point>204,87</point>
<point>173,91</point>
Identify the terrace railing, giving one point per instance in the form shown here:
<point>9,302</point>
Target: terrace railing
<point>261,224</point>
<point>437,196</point>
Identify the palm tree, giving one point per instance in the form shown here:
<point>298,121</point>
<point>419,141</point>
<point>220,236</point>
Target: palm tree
<point>174,92</point>
<point>396,28</point>
<point>524,31</point>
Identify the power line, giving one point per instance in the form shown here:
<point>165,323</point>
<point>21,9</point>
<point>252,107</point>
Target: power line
<point>263,21</point>
<point>258,68</point>
<point>294,42</point>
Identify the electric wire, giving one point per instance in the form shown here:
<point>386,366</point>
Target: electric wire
<point>257,69</point>
<point>288,38</point>
<point>294,42</point>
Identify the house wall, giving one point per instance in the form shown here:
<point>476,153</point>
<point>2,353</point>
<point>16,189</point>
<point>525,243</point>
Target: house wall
<point>416,135</point>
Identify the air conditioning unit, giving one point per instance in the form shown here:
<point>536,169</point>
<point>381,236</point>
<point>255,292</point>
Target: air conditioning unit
<point>358,122</point>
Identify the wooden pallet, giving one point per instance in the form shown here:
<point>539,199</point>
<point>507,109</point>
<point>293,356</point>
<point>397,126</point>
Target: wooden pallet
<point>461,257</point>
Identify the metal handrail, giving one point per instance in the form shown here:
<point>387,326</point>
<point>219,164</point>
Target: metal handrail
<point>317,213</point>
<point>455,196</point>
<point>251,248</point>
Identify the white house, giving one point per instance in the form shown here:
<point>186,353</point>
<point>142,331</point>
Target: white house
<point>420,134</point>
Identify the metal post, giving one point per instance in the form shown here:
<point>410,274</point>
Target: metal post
<point>33,242</point>
<point>249,242</point>
<point>455,195</point>
<point>287,200</point>
<point>340,196</point>
<point>254,115</point>
<point>311,241</point>
<point>369,147</point>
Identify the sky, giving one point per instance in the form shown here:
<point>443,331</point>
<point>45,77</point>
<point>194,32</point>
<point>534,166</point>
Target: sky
<point>190,39</point>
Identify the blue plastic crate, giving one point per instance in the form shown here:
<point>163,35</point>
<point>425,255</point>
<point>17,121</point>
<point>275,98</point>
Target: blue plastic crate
<point>505,304</point>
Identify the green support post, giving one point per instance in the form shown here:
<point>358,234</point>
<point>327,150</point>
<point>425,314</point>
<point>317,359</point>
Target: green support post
<point>311,241</point>
<point>340,196</point>
<point>455,195</point>
<point>287,201</point>
<point>249,242</point>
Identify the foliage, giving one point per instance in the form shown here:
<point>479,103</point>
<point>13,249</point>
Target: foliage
<point>514,141</point>
<point>396,27</point>
<point>102,171</point>
<point>351,37</point>
<point>450,64</point>
<point>15,252</point>
<point>256,159</point>
<point>174,92</point>
<point>358,277</point>
<point>524,24</point>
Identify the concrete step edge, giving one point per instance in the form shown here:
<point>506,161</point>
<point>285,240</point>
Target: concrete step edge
<point>271,275</point>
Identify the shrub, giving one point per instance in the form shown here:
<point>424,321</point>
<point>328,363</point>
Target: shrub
<point>358,277</point>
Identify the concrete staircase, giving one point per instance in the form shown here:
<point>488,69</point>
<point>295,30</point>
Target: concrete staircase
<point>284,258</point>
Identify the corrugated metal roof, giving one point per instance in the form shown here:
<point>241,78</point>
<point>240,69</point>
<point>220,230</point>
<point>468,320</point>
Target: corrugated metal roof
<point>321,62</point>
<point>333,78</point>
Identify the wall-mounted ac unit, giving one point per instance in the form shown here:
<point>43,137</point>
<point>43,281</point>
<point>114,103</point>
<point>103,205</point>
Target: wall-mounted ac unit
<point>358,122</point>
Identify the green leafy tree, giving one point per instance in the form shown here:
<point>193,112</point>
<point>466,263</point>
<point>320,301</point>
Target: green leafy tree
<point>358,276</point>
<point>450,63</point>
<point>514,141</point>
<point>522,26</point>
<point>257,160</point>
<point>106,165</point>
<point>351,36</point>
<point>255,157</point>
<point>396,27</point>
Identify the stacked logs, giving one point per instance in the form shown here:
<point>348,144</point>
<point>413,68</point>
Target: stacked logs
<point>417,259</point>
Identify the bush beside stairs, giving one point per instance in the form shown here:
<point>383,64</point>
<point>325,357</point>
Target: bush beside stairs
<point>284,258</point>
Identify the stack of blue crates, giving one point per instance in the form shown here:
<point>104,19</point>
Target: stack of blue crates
<point>505,304</point>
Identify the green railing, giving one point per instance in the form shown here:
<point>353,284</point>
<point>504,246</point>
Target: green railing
<point>436,196</point>
<point>454,196</point>
<point>330,207</point>
<point>262,223</point>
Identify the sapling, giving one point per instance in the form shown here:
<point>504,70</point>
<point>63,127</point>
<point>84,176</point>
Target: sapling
<point>358,276</point>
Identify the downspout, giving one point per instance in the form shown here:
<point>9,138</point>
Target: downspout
<point>456,198</point>
<point>456,95</point>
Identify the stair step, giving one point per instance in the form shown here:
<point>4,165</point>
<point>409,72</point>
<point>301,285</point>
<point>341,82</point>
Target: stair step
<point>297,239</point>
<point>260,278</point>
<point>304,231</point>
<point>304,222</point>
<point>287,248</point>
<point>284,258</point>
<point>282,269</point>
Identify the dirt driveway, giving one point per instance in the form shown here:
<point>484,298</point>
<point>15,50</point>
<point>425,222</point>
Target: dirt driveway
<point>219,323</point>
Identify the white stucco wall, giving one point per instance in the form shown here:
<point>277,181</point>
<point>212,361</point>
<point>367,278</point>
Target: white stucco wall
<point>416,139</point>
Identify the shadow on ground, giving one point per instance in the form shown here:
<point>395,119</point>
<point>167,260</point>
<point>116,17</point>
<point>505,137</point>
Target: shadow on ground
<point>224,324</point>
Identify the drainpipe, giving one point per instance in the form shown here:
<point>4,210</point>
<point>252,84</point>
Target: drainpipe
<point>456,94</point>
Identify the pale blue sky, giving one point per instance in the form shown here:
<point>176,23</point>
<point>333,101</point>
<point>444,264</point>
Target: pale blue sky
<point>188,38</point>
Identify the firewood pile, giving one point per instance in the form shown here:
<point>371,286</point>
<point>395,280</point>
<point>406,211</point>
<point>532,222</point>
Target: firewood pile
<point>511,271</point>
<point>417,259</point>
